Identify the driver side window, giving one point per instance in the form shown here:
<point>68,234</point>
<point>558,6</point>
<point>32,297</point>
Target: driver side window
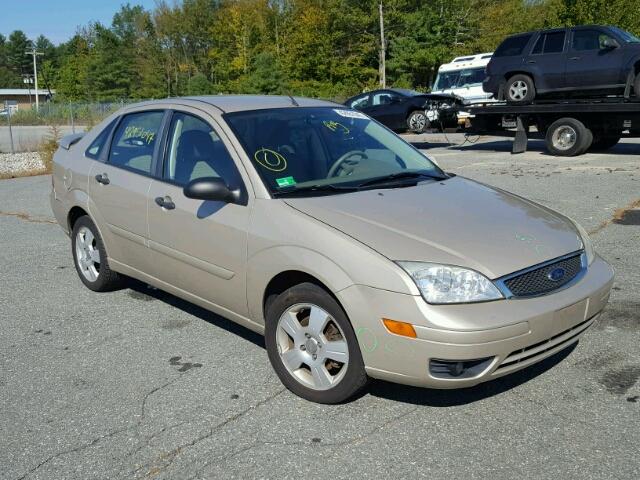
<point>196,151</point>
<point>384,98</point>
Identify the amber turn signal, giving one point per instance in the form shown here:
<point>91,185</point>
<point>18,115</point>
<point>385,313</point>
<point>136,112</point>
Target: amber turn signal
<point>399,328</point>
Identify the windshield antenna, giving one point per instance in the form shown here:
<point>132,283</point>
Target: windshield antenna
<point>293,100</point>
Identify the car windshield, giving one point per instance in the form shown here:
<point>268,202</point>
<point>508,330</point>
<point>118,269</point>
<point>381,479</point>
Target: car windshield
<point>468,77</point>
<point>307,148</point>
<point>626,36</point>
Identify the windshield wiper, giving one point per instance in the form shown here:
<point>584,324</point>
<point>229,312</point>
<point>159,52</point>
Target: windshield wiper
<point>399,176</point>
<point>314,188</point>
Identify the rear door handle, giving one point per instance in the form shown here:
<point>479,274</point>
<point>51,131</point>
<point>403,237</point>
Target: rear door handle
<point>574,58</point>
<point>165,202</point>
<point>531,61</point>
<point>103,178</point>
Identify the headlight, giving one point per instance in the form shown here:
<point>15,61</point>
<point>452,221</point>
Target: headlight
<point>449,284</point>
<point>586,242</point>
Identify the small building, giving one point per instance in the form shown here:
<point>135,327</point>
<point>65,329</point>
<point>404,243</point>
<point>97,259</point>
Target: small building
<point>22,98</point>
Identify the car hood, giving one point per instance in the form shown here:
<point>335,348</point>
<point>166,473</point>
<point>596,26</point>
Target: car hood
<point>456,222</point>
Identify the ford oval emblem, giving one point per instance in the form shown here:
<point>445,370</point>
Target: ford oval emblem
<point>556,274</point>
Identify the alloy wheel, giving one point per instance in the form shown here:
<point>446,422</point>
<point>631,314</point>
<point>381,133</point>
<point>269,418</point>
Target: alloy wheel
<point>564,137</point>
<point>87,254</point>
<point>312,346</point>
<point>518,90</point>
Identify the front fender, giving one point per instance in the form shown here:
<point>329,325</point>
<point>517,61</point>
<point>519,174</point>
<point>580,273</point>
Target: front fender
<point>266,264</point>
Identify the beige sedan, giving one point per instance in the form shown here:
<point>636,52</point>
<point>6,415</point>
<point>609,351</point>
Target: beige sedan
<point>350,250</point>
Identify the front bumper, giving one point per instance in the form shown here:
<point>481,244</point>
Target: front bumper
<point>513,333</point>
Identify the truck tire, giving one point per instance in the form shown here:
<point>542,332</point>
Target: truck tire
<point>568,137</point>
<point>604,143</point>
<point>636,86</point>
<point>519,89</point>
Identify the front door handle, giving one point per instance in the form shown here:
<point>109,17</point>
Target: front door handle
<point>103,178</point>
<point>165,202</point>
<point>574,58</point>
<point>531,61</point>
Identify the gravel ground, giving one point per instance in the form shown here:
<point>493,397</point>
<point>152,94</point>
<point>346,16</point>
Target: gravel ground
<point>137,384</point>
<point>20,164</point>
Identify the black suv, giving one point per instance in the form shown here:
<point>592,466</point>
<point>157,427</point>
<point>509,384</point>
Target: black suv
<point>592,58</point>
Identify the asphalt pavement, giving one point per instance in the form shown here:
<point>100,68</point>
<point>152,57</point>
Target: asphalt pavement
<point>140,384</point>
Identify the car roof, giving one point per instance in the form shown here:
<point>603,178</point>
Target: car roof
<point>241,103</point>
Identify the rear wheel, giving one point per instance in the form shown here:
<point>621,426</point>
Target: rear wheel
<point>312,346</point>
<point>605,143</point>
<point>568,137</point>
<point>90,257</point>
<point>417,121</point>
<point>520,89</point>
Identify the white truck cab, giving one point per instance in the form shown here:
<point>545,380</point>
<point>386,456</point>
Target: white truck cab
<point>463,77</point>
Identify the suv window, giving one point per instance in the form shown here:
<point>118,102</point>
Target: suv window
<point>134,141</point>
<point>95,149</point>
<point>552,42</point>
<point>361,102</point>
<point>512,46</point>
<point>196,151</point>
<point>588,40</point>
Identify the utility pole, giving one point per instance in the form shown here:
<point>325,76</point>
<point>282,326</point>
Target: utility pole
<point>383,47</point>
<point>34,54</point>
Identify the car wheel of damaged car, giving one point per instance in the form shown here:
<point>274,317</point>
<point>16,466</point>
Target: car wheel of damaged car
<point>312,346</point>
<point>520,89</point>
<point>417,121</point>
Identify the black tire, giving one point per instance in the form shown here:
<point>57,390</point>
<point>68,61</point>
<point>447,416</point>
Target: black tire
<point>636,86</point>
<point>604,143</point>
<point>355,377</point>
<point>107,280</point>
<point>417,121</point>
<point>520,83</point>
<point>578,141</point>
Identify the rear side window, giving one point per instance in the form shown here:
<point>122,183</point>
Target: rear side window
<point>512,46</point>
<point>134,141</point>
<point>552,42</point>
<point>96,147</point>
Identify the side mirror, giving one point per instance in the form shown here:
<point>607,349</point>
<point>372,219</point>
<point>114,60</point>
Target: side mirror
<point>610,43</point>
<point>211,188</point>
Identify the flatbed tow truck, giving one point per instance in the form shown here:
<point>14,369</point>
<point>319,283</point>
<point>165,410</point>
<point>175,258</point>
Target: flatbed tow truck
<point>569,126</point>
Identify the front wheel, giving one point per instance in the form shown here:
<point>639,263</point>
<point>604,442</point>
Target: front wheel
<point>417,122</point>
<point>312,346</point>
<point>568,137</point>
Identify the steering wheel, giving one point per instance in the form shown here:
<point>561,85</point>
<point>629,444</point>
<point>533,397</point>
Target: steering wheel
<point>346,164</point>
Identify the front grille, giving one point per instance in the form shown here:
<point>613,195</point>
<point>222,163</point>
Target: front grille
<point>538,281</point>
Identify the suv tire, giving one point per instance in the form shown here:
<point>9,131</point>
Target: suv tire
<point>519,89</point>
<point>568,137</point>
<point>90,257</point>
<point>310,369</point>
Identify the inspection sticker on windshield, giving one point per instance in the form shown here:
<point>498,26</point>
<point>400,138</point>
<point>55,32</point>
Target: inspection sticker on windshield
<point>350,114</point>
<point>285,181</point>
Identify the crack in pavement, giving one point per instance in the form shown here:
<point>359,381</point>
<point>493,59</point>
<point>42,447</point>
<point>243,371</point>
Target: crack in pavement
<point>105,436</point>
<point>351,441</point>
<point>73,450</point>
<point>28,217</point>
<point>170,457</point>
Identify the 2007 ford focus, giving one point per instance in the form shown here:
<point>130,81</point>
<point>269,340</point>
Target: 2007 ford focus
<point>350,250</point>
